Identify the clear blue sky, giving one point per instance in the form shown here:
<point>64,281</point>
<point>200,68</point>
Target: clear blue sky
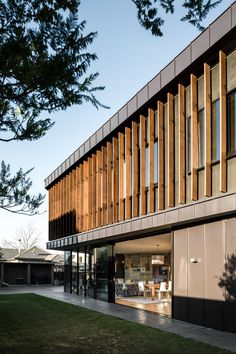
<point>128,57</point>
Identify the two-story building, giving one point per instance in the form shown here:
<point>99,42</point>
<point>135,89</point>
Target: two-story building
<point>150,198</point>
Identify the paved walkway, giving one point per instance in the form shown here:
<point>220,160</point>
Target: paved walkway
<point>210,336</point>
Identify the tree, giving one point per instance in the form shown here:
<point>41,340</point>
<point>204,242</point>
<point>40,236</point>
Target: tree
<point>44,61</point>
<point>148,17</point>
<point>25,238</point>
<point>14,192</point>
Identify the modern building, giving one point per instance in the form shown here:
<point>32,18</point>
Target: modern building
<point>150,198</point>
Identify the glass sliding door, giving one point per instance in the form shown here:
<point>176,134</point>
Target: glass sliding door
<point>74,272</point>
<point>67,271</point>
<point>90,274</point>
<point>104,273</point>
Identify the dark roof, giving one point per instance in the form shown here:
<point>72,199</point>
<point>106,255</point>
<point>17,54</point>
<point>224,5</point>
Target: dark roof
<point>8,253</point>
<point>34,254</point>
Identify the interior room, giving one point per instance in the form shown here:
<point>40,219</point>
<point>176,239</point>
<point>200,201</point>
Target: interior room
<point>143,273</point>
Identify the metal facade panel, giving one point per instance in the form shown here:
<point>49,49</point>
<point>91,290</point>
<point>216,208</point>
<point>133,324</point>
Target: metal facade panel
<point>143,96</point>
<point>99,135</point>
<point>220,27</point>
<point>77,155</point>
<point>67,163</point>
<point>233,9</point>
<point>183,60</point>
<point>200,44</point>
<point>114,121</point>
<point>72,159</point>
<point>93,141</point>
<point>81,150</point>
<point>87,146</point>
<point>63,167</point>
<point>168,73</point>
<point>154,85</point>
<point>123,114</point>
<point>132,105</point>
<point>106,128</point>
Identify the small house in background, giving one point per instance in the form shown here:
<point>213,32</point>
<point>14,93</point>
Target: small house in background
<point>32,266</point>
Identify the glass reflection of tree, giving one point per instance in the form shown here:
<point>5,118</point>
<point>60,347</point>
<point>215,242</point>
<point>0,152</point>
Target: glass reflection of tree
<point>228,278</point>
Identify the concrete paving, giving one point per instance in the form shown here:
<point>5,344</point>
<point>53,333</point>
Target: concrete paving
<point>210,336</point>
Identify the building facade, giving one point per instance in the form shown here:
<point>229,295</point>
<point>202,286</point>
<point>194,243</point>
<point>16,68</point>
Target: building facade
<point>151,196</point>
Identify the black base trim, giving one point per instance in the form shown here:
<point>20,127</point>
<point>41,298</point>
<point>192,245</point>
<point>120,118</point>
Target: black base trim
<point>215,314</point>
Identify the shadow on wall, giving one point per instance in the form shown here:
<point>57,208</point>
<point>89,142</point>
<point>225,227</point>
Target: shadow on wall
<point>62,226</point>
<point>228,278</point>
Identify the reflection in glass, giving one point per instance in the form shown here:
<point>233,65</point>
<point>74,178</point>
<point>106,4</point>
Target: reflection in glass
<point>215,130</point>
<point>155,162</point>
<point>147,166</point>
<point>231,122</point>
<point>200,138</point>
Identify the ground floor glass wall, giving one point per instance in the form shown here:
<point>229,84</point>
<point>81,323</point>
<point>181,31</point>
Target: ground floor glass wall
<point>89,272</point>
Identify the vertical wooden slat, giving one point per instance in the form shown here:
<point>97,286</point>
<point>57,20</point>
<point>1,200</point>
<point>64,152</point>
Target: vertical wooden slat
<point>115,174</point>
<point>104,185</point>
<point>161,157</point>
<point>69,203</point>
<point>73,200</point>
<point>59,208</point>
<point>128,173</point>
<point>62,208</point>
<point>94,199</point>
<point>182,139</point>
<point>194,142</point>
<point>135,169</point>
<point>90,198</point>
<point>55,208</point>
<point>98,208</point>
<point>66,205</point>
<point>143,206</point>
<point>50,213</point>
<point>85,164</point>
<point>223,165</point>
<point>207,112</point>
<point>121,176</point>
<point>109,183</point>
<point>81,198</point>
<point>77,199</point>
<point>171,153</point>
<point>151,160</point>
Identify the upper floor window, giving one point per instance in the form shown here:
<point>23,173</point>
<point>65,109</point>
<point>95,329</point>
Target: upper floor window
<point>215,130</point>
<point>156,161</point>
<point>200,138</point>
<point>231,123</point>
<point>147,166</point>
<point>200,122</point>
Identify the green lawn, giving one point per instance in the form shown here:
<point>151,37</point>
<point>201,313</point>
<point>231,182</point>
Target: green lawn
<point>34,324</point>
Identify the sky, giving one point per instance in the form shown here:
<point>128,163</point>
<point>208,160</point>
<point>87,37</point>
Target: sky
<point>128,57</point>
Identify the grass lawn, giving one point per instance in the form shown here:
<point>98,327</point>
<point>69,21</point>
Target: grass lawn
<point>34,324</point>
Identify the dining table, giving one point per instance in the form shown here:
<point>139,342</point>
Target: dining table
<point>152,288</point>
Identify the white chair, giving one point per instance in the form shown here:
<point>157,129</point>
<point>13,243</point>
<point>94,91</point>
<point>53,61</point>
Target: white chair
<point>162,290</point>
<point>142,290</point>
<point>150,282</point>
